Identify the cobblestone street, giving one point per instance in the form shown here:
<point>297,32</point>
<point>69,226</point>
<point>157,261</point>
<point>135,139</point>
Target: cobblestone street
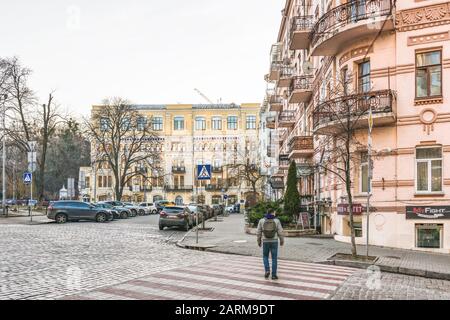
<point>133,259</point>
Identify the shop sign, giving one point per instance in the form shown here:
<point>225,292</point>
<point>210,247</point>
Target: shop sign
<point>428,212</point>
<point>342,209</point>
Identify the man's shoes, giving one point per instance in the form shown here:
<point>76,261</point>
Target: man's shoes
<point>274,278</point>
<point>267,275</point>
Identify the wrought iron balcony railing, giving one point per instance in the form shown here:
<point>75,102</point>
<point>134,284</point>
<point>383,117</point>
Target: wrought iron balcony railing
<point>346,14</point>
<point>178,169</point>
<point>353,107</point>
<point>276,182</point>
<point>216,187</point>
<point>301,27</point>
<point>178,188</point>
<point>287,116</point>
<point>218,169</point>
<point>301,146</point>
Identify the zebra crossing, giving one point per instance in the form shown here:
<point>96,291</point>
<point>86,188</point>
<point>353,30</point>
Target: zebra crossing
<point>229,278</point>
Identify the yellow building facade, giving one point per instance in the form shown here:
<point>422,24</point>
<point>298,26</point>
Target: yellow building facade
<point>219,135</point>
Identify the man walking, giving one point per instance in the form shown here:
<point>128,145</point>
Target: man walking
<point>269,230</point>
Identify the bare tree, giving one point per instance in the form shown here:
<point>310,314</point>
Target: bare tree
<point>123,139</point>
<point>341,120</point>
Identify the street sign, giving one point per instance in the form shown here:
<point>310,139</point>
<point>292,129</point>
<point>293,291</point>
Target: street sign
<point>225,196</point>
<point>32,145</point>
<point>203,172</point>
<point>32,166</point>
<point>27,176</point>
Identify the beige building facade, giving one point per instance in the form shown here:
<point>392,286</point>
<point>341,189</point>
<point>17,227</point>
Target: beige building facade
<point>190,135</point>
<point>395,58</point>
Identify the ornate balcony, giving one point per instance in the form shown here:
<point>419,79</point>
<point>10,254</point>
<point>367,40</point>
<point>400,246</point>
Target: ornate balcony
<point>284,163</point>
<point>330,117</point>
<point>215,187</point>
<point>286,119</point>
<point>301,89</point>
<point>178,169</point>
<point>275,70</point>
<point>276,103</point>
<point>276,182</point>
<point>270,122</point>
<point>286,74</point>
<point>301,147</point>
<point>218,169</point>
<point>181,188</point>
<point>300,32</point>
<point>349,22</point>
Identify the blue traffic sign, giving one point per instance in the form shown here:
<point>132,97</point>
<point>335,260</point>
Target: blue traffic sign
<point>27,177</point>
<point>225,196</point>
<point>203,172</point>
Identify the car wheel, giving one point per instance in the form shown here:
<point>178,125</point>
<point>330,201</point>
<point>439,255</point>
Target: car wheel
<point>61,218</point>
<point>154,211</point>
<point>123,215</point>
<point>101,217</point>
<point>161,227</point>
<point>142,212</point>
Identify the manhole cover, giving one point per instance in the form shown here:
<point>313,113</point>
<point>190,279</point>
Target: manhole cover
<point>392,257</point>
<point>314,244</point>
<point>240,241</point>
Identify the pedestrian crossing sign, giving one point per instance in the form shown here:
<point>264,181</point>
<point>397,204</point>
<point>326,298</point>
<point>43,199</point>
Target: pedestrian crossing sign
<point>27,177</point>
<point>203,172</point>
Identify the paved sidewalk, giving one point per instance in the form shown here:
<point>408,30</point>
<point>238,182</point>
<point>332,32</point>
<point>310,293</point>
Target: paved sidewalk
<point>228,236</point>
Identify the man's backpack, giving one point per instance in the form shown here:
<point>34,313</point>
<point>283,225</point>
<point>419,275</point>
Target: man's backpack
<point>269,228</point>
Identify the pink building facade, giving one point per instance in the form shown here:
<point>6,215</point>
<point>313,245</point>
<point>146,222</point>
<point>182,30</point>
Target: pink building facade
<point>392,57</point>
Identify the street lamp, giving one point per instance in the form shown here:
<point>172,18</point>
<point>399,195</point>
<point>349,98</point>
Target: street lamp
<point>5,96</point>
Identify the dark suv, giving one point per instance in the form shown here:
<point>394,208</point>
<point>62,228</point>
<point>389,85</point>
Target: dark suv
<point>63,211</point>
<point>176,217</point>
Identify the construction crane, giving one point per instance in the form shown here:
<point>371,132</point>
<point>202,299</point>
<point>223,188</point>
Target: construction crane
<point>203,96</point>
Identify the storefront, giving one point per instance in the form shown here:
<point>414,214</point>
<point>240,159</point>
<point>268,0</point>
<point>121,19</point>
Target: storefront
<point>429,226</point>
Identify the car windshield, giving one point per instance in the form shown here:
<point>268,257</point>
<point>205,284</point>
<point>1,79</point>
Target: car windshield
<point>193,208</point>
<point>173,209</point>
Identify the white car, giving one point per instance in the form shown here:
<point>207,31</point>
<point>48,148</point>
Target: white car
<point>149,207</point>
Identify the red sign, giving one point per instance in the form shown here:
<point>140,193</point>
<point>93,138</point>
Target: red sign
<point>342,209</point>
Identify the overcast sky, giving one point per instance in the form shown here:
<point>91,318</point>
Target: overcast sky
<point>149,51</point>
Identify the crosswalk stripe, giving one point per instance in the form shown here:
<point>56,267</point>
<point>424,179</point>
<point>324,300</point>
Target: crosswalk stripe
<point>279,289</point>
<point>241,288</point>
<point>301,268</point>
<point>286,275</point>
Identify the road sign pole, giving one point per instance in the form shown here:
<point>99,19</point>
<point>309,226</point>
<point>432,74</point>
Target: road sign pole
<point>31,198</point>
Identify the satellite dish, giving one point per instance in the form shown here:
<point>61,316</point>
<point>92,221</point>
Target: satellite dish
<point>307,67</point>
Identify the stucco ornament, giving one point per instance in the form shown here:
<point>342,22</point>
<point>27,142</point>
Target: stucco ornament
<point>428,118</point>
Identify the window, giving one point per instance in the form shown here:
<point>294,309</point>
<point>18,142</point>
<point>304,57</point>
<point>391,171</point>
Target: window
<point>364,171</point>
<point>178,123</point>
<point>104,124</point>
<point>364,77</point>
<point>126,124</point>
<point>157,123</point>
<point>232,123</point>
<point>428,236</point>
<point>429,169</point>
<point>217,123</point>
<point>251,122</point>
<point>200,123</point>
<point>428,74</point>
<point>141,123</point>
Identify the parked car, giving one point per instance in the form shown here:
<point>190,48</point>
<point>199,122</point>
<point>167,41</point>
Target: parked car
<point>136,210</point>
<point>229,209</point>
<point>107,206</point>
<point>149,207</point>
<point>197,209</point>
<point>63,211</point>
<point>175,216</point>
<point>218,209</point>
<point>124,212</point>
<point>209,210</point>
<point>160,204</point>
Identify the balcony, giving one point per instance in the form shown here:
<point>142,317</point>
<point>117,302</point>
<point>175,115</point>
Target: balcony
<point>276,103</point>
<point>172,188</point>
<point>349,22</point>
<point>300,32</point>
<point>301,89</point>
<point>178,169</point>
<point>330,117</point>
<point>275,70</point>
<point>218,169</point>
<point>215,187</point>
<point>284,164</point>
<point>276,182</point>
<point>286,119</point>
<point>270,122</point>
<point>301,147</point>
<point>286,74</point>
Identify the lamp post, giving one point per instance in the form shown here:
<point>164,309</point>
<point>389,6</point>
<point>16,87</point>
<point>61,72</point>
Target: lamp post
<point>5,96</point>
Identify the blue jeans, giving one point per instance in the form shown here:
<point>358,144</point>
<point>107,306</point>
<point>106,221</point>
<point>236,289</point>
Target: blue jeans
<point>272,248</point>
